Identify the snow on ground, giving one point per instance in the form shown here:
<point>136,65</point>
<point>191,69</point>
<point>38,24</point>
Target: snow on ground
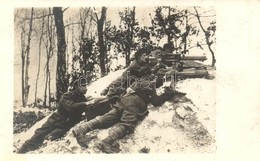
<point>203,94</point>
<point>184,126</point>
<point>96,87</point>
<point>20,138</point>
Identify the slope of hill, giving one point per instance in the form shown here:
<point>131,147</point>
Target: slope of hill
<point>185,124</point>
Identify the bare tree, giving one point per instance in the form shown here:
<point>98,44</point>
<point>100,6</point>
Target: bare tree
<point>102,47</point>
<point>61,78</point>
<point>186,33</point>
<point>207,37</point>
<point>85,49</point>
<point>39,61</point>
<point>49,45</point>
<point>26,59</point>
<point>23,65</point>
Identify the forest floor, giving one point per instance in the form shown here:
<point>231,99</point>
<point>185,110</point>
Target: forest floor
<point>187,124</point>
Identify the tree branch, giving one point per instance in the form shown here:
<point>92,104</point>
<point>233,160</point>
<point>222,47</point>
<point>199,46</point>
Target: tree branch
<point>34,18</point>
<point>74,23</point>
<point>95,14</point>
<point>201,16</point>
<point>196,46</point>
<point>65,9</point>
<point>198,17</point>
<point>207,39</point>
<point>95,20</point>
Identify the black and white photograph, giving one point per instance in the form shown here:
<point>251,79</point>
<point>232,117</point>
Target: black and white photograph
<point>115,80</point>
<point>130,80</point>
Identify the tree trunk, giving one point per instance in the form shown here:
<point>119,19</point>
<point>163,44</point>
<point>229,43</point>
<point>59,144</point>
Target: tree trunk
<point>27,61</point>
<point>61,80</point>
<point>169,38</point>
<point>186,34</point>
<point>131,38</point>
<point>48,50</point>
<point>130,34</point>
<point>67,51</point>
<point>102,47</point>
<point>212,53</point>
<point>23,66</point>
<point>45,87</point>
<point>39,64</point>
<point>82,36</point>
<point>127,57</point>
<point>207,39</point>
<point>47,80</point>
<point>49,89</point>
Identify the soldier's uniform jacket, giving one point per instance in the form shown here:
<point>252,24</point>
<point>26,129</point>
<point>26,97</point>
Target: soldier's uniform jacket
<point>69,110</point>
<point>128,111</point>
<point>119,86</point>
<point>141,93</point>
<point>137,100</point>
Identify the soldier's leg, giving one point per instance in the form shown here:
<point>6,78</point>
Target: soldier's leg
<point>126,126</point>
<point>104,121</point>
<point>117,132</point>
<point>37,139</point>
<point>56,133</point>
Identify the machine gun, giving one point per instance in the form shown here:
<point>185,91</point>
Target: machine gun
<point>183,66</point>
<point>177,60</point>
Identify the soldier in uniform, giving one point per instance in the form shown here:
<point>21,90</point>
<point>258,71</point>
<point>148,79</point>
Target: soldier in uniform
<point>117,88</point>
<point>134,70</point>
<point>69,112</point>
<point>125,114</point>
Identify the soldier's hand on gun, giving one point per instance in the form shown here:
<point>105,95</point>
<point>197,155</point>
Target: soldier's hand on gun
<point>169,91</point>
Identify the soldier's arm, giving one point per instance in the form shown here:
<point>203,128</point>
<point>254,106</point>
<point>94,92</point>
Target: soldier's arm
<point>112,86</point>
<point>69,104</point>
<point>99,99</point>
<point>119,86</point>
<point>158,100</point>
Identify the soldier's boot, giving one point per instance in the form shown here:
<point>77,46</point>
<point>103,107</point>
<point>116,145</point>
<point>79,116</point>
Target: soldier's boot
<point>107,145</point>
<point>80,131</point>
<point>26,147</point>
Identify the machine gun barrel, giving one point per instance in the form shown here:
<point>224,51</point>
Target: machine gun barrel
<point>177,62</point>
<point>178,57</point>
<point>188,57</point>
